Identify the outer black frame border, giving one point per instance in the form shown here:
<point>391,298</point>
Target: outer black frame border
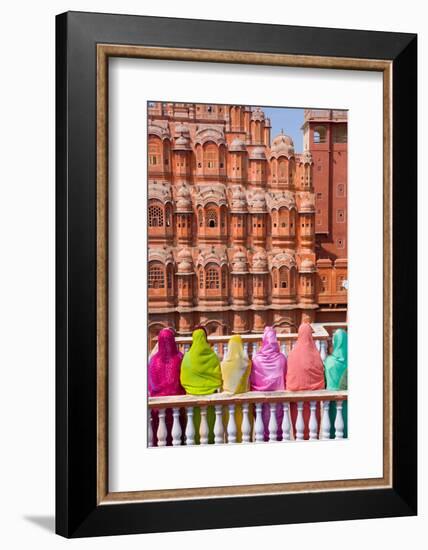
<point>77,513</point>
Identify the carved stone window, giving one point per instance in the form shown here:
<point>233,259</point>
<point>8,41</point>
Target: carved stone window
<point>212,281</point>
<point>156,277</point>
<point>155,216</point>
<point>212,220</point>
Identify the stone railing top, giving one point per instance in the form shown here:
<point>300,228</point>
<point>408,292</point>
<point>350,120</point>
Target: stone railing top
<point>225,398</point>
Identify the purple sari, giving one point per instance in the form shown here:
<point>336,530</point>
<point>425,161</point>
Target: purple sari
<point>269,373</point>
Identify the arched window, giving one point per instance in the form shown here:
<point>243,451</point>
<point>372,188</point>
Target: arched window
<point>156,276</point>
<point>212,281</point>
<point>169,277</point>
<point>320,134</point>
<point>155,216</point>
<point>210,156</point>
<point>283,277</point>
<point>155,153</point>
<point>282,169</point>
<point>168,216</point>
<point>340,134</point>
<point>212,220</point>
<point>275,277</point>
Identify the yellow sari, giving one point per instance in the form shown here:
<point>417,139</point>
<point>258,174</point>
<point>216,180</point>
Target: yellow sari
<point>235,370</point>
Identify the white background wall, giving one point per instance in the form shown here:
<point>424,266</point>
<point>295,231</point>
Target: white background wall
<point>27,271</point>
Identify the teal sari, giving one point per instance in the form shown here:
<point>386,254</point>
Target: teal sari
<point>336,376</point>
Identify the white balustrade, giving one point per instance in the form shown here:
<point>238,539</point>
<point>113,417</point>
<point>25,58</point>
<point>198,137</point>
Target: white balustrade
<point>300,423</point>
<point>313,423</point>
<point>259,426</point>
<point>284,348</point>
<point>162,431</point>
<point>231,425</point>
<point>190,427</point>
<point>324,350</point>
<point>246,424</point>
<point>149,428</point>
<point>218,425</point>
<point>339,425</point>
<point>318,344</point>
<point>169,413</point>
<point>325,423</point>
<point>203,428</point>
<point>216,348</point>
<point>286,424</point>
<point>176,427</point>
<point>273,424</point>
<point>246,348</point>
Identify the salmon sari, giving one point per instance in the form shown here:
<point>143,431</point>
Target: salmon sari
<point>305,373</point>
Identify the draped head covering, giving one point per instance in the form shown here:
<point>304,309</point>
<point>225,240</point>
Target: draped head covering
<point>235,367</point>
<point>305,367</point>
<point>269,364</point>
<point>337,363</point>
<point>200,370</point>
<point>164,366</point>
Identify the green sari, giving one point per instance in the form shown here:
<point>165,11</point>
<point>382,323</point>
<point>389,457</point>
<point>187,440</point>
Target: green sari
<point>201,375</point>
<point>336,376</point>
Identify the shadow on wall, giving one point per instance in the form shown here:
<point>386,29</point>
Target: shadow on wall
<point>45,522</point>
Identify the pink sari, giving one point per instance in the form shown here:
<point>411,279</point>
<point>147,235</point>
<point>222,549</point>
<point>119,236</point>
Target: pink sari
<point>164,377</point>
<point>269,371</point>
<point>305,372</point>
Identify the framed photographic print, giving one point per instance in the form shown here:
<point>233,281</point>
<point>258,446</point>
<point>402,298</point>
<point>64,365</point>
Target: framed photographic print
<point>236,248</point>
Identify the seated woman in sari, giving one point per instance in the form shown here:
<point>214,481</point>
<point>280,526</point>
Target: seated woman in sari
<point>164,376</point>
<point>201,375</point>
<point>269,373</point>
<point>235,370</point>
<point>336,376</point>
<point>305,372</point>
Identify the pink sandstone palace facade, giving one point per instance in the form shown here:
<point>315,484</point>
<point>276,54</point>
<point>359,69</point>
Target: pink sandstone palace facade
<point>242,231</point>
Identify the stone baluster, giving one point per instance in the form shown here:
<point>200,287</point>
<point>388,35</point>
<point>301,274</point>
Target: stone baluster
<point>300,423</point>
<point>224,350</point>
<point>284,348</point>
<point>273,424</point>
<point>246,348</point>
<point>246,424</point>
<point>323,350</point>
<point>216,350</point>
<point>286,425</point>
<point>162,430</point>
<point>218,425</point>
<point>176,427</point>
<point>326,426</point>
<point>313,424</point>
<point>149,429</point>
<point>339,425</point>
<point>186,347</point>
<point>259,427</point>
<point>204,429</point>
<point>190,427</point>
<point>231,425</point>
<point>318,345</point>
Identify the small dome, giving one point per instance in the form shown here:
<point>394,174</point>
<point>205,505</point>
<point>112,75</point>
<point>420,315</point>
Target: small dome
<point>181,129</point>
<point>257,114</point>
<point>181,144</point>
<point>258,153</point>
<point>239,262</point>
<point>259,262</point>
<point>237,146</point>
<point>282,145</point>
<point>185,261</point>
<point>184,202</point>
<point>238,201</point>
<point>307,266</point>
